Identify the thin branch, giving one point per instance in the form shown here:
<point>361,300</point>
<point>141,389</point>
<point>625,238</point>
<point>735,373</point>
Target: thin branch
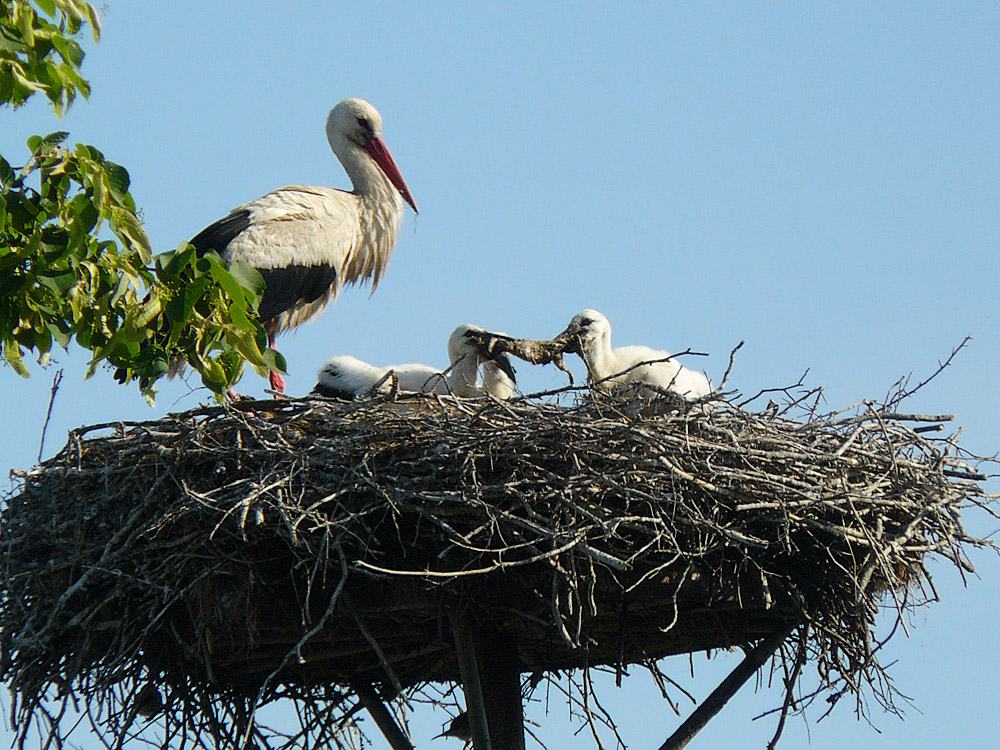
<point>56,380</point>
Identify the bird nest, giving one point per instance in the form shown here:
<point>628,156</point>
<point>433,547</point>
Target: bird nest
<point>199,566</point>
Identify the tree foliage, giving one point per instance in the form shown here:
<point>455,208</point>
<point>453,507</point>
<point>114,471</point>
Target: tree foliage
<point>41,55</point>
<point>75,262</point>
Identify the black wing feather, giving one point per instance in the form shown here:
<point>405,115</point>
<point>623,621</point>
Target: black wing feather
<point>325,389</point>
<point>503,362</point>
<point>291,286</point>
<point>217,236</point>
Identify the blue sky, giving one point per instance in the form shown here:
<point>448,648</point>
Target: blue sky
<point>822,181</point>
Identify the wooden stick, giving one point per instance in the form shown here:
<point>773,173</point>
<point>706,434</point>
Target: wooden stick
<point>726,690</point>
<point>386,722</point>
<point>465,651</point>
<point>56,380</point>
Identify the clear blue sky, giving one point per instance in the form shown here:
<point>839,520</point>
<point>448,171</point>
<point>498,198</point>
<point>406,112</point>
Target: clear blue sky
<point>821,181</point>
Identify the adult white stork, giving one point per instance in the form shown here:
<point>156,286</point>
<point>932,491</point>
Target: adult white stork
<point>308,241</point>
<point>349,378</point>
<point>590,333</point>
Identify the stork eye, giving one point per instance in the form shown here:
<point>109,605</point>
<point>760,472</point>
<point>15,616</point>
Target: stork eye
<point>365,125</point>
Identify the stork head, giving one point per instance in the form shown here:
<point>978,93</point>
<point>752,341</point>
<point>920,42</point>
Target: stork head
<point>467,341</point>
<point>355,124</point>
<point>586,332</point>
<point>458,728</point>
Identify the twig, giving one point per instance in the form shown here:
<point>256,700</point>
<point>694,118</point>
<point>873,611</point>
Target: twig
<point>729,368</point>
<point>903,393</point>
<point>790,683</point>
<point>56,380</point>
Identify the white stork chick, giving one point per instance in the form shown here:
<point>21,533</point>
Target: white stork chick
<point>498,377</point>
<point>308,241</point>
<point>590,332</point>
<point>349,378</point>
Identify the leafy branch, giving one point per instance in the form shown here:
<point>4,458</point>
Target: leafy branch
<point>75,261</point>
<point>38,52</point>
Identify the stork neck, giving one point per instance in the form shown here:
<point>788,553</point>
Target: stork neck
<point>600,358</point>
<point>463,374</point>
<point>367,178</point>
<point>380,211</point>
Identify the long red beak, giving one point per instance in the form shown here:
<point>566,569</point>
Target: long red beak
<point>378,151</point>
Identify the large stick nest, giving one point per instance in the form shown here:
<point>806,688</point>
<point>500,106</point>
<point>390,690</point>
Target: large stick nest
<point>231,557</point>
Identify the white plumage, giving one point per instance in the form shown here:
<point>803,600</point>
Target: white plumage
<point>591,333</point>
<point>348,377</point>
<point>498,377</point>
<point>309,241</point>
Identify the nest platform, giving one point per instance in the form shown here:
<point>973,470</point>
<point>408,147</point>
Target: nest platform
<point>300,548</point>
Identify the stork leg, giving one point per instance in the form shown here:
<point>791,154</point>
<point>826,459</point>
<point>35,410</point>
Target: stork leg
<point>277,382</point>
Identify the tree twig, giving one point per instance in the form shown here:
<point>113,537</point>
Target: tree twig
<point>56,380</point>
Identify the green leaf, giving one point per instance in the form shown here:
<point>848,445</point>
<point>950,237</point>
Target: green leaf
<point>127,227</point>
<point>6,172</point>
<point>12,356</point>
<point>226,280</point>
<point>28,29</point>
<point>85,213</point>
<point>150,310</point>
<point>59,336</point>
<point>275,361</point>
<point>247,346</point>
<point>248,277</point>
<point>43,340</point>
<point>171,263</point>
<point>94,18</point>
<point>70,51</point>
<point>55,138</point>
<point>232,367</point>
<point>118,177</point>
<point>48,6</point>
<point>238,314</point>
<point>60,284</point>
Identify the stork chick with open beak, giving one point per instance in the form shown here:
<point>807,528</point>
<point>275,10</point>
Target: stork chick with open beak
<point>589,335</point>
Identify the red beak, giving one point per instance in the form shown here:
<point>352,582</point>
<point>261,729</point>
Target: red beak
<point>378,151</point>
